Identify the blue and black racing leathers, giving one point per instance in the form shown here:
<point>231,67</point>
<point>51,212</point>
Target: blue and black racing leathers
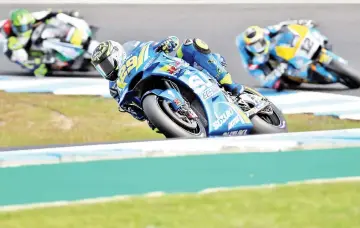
<point>257,65</point>
<point>195,52</point>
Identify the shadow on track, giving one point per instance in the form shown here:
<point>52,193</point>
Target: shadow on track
<point>320,89</point>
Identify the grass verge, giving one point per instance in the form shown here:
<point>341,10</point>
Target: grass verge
<point>303,206</point>
<point>44,119</point>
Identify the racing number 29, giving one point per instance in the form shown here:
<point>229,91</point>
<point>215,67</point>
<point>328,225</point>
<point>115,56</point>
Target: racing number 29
<point>125,69</point>
<point>307,45</point>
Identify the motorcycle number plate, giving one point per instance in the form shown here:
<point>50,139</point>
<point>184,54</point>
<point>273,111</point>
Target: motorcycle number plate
<point>308,46</point>
<point>198,84</point>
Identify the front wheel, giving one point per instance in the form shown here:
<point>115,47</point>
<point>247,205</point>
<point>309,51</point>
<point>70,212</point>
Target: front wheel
<point>348,76</point>
<point>171,123</point>
<point>269,121</point>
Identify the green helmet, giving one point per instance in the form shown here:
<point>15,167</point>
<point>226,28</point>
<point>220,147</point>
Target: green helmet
<point>22,22</point>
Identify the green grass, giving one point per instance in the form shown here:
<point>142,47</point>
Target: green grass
<point>303,206</point>
<point>42,119</point>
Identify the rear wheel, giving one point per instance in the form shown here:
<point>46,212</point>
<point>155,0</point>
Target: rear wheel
<point>270,120</point>
<point>348,76</point>
<point>169,122</point>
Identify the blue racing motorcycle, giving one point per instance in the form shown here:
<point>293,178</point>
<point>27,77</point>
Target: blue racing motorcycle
<point>182,101</point>
<point>310,60</point>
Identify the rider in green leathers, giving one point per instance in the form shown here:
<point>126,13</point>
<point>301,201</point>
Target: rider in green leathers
<point>18,30</point>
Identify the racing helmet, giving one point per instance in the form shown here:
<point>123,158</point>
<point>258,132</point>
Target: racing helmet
<point>22,22</point>
<point>107,57</point>
<point>256,41</point>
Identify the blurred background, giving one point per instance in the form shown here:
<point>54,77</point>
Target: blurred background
<point>63,140</point>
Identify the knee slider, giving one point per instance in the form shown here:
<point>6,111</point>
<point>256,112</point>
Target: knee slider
<point>201,46</point>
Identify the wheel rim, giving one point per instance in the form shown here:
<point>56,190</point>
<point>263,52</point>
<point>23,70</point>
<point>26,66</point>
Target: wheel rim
<point>191,127</point>
<point>178,118</point>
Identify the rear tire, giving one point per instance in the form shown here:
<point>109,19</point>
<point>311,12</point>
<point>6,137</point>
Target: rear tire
<point>267,124</point>
<point>348,76</point>
<point>156,113</point>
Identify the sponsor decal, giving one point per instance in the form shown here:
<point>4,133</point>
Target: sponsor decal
<point>219,107</point>
<point>173,70</point>
<point>177,102</point>
<point>236,133</point>
<point>223,118</point>
<point>197,84</point>
<point>150,61</point>
<point>210,92</point>
<point>233,122</point>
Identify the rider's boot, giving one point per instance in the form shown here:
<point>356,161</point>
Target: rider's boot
<point>41,71</point>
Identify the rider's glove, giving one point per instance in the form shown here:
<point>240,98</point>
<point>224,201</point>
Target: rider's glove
<point>168,45</point>
<point>40,71</point>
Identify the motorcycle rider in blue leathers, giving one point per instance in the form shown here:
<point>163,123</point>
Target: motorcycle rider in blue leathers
<point>255,45</point>
<point>194,51</point>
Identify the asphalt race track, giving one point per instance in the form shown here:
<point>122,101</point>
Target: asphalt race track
<point>216,24</point>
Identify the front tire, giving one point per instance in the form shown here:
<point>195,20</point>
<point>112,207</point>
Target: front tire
<point>155,110</point>
<point>348,76</point>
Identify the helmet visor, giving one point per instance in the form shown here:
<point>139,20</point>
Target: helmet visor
<point>21,28</point>
<point>107,66</point>
<point>258,47</point>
